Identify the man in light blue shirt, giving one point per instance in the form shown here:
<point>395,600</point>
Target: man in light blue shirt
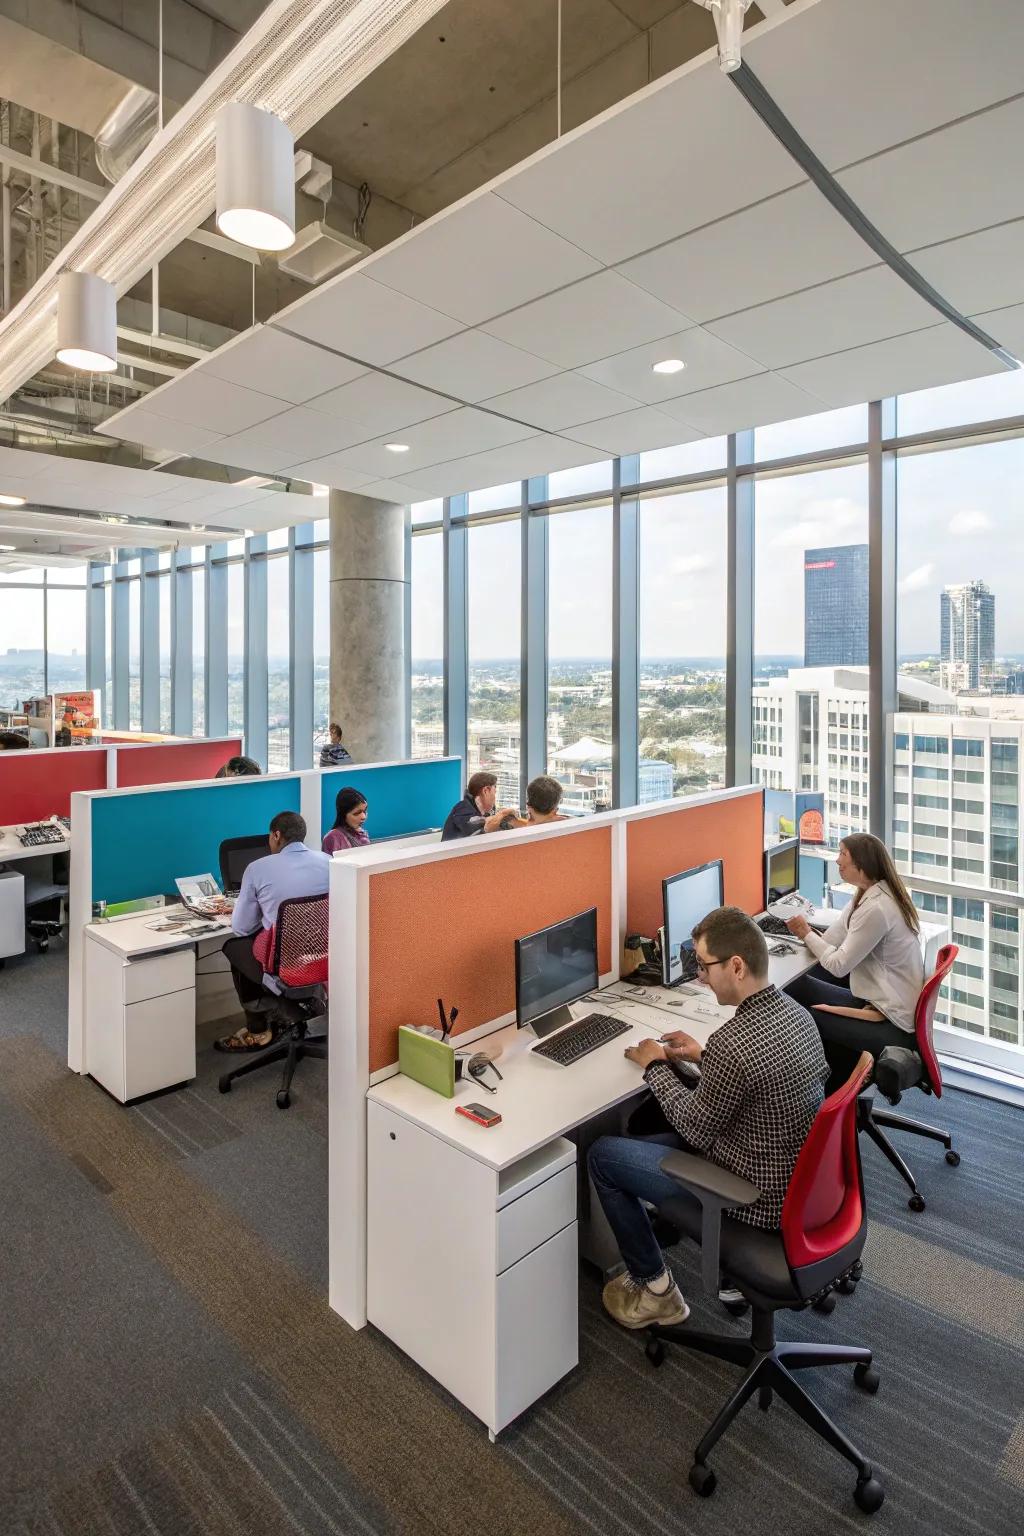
<point>290,869</point>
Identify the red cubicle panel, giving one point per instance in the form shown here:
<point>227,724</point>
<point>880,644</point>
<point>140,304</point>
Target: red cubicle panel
<point>173,762</point>
<point>35,785</point>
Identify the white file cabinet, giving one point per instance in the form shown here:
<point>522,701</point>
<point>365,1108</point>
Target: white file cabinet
<point>12,913</point>
<point>140,1019</point>
<point>479,1287</point>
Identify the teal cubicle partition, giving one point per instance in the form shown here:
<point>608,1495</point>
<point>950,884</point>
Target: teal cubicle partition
<point>402,797</point>
<point>142,842</point>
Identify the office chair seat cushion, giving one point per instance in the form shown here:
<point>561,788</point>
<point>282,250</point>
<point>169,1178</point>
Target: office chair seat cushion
<point>753,1259</point>
<point>897,1068</point>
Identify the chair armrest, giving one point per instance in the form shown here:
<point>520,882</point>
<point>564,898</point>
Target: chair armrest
<point>717,1190</point>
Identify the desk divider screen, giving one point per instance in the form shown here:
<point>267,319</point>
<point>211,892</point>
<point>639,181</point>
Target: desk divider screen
<point>35,785</point>
<point>661,845</point>
<point>446,928</point>
<point>173,762</point>
<point>402,797</point>
<point>142,843</point>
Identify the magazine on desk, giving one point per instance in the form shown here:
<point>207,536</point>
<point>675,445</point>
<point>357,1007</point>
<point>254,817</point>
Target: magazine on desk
<point>203,896</point>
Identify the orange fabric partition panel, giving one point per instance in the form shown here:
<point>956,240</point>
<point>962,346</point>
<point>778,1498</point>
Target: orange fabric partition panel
<point>660,846</point>
<point>446,928</point>
<point>173,762</point>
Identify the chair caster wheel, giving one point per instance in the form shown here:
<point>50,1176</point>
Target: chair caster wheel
<point>736,1308</point>
<point>953,1159</point>
<point>43,946</point>
<point>867,1378</point>
<point>703,1480</point>
<point>869,1494</point>
<point>847,1287</point>
<point>826,1303</point>
<point>654,1349</point>
<point>224,1084</point>
<point>916,1202</point>
<point>283,1098</point>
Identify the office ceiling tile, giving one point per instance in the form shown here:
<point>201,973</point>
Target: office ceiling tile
<point>181,488</point>
<point>431,442</point>
<point>634,432</point>
<point>1005,326</point>
<point>138,424</point>
<point>964,178</point>
<point>363,319</point>
<point>680,154</point>
<point>200,400</point>
<point>942,355</point>
<point>281,511</point>
<point>560,402</point>
<point>328,471</point>
<point>298,433</point>
<point>33,490</point>
<point>854,79</point>
<point>517,461</point>
<point>23,462</point>
<point>395,491</point>
<point>981,270</point>
<point>788,242</point>
<point>708,360</point>
<point>577,325</point>
<point>285,366</point>
<point>473,364</point>
<point>382,403</point>
<point>478,259</point>
<point>743,404</point>
<point>849,312</point>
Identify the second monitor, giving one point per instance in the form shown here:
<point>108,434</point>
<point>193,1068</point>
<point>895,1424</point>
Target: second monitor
<point>687,898</point>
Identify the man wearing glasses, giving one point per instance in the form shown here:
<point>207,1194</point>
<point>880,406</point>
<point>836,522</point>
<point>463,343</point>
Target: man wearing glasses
<point>759,1087</point>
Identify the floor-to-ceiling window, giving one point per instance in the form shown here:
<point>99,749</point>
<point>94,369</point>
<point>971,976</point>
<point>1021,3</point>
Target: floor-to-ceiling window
<point>199,646</point>
<point>493,728</point>
<point>579,703</point>
<point>427,643</point>
<point>321,635</point>
<point>278,652</point>
<point>42,632</point>
<point>236,636</point>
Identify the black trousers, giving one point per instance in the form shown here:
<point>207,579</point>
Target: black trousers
<point>843,1039</point>
<point>246,970</point>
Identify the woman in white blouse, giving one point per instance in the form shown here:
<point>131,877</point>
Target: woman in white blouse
<point>863,992</point>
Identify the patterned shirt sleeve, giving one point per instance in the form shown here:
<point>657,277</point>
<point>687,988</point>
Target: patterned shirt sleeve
<point>701,1114</point>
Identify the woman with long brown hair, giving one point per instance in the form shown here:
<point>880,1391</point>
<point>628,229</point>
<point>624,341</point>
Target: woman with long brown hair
<point>863,991</point>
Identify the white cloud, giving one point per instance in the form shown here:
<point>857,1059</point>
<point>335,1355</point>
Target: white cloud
<point>690,565</point>
<point>971,520</point>
<point>802,536</point>
<point>917,579</point>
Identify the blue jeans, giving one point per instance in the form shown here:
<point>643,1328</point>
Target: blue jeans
<point>626,1171</point>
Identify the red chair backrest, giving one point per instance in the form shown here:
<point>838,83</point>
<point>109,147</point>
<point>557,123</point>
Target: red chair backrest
<point>824,1206</point>
<point>924,1016</point>
<point>295,949</point>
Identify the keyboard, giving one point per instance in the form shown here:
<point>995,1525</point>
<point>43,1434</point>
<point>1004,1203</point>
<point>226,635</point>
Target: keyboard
<point>581,1038</point>
<point>773,925</point>
<point>44,832</point>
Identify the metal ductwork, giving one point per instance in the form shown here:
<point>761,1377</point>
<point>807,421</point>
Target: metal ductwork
<point>123,135</point>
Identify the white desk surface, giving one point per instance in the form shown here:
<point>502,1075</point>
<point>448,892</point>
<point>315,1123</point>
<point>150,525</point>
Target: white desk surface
<point>133,937</point>
<point>538,1099</point>
<point>12,848</point>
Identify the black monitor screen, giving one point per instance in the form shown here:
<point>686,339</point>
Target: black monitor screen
<point>555,966</point>
<point>780,870</point>
<point>688,898</point>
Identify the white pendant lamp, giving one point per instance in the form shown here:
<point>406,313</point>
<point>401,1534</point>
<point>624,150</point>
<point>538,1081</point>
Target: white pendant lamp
<point>86,322</point>
<point>255,178</point>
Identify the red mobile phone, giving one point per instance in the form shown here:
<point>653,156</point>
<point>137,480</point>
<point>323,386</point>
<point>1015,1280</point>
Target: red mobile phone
<point>478,1113</point>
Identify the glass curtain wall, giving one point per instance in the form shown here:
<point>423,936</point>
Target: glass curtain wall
<point>42,632</point>
<point>278,654</point>
<point>579,705</point>
<point>494,653</point>
<point>426,708</point>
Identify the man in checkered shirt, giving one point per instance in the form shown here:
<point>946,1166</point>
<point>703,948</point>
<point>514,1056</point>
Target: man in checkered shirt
<point>760,1087</point>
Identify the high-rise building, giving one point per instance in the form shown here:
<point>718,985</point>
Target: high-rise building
<point>836,606</point>
<point>968,636</point>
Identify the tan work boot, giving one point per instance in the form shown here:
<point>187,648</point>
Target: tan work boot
<point>631,1303</point>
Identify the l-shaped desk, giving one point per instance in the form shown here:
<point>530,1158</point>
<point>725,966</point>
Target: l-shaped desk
<point>490,1217</point>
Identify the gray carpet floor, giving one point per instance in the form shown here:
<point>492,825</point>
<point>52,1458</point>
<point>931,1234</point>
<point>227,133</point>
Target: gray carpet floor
<point>171,1368</point>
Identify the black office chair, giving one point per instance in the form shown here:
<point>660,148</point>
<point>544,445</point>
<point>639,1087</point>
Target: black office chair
<point>236,854</point>
<point>46,904</point>
<point>297,958</point>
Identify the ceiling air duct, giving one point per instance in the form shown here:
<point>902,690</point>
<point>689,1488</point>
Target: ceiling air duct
<point>125,133</point>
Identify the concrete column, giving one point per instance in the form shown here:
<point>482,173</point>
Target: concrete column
<point>368,581</point>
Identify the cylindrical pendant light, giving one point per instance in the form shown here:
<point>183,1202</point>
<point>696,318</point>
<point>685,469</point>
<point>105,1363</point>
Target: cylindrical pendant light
<point>86,322</point>
<point>255,178</point>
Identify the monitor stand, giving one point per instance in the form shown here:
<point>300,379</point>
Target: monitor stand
<point>549,1022</point>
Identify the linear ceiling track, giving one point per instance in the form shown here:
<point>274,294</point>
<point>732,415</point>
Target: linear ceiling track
<point>299,59</point>
<point>774,119</point>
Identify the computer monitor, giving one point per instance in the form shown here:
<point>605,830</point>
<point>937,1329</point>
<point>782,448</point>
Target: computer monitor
<point>236,854</point>
<point>554,967</point>
<point>686,898</point>
<point>781,870</point>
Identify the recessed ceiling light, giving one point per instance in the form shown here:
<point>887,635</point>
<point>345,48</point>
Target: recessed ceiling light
<point>7,500</point>
<point>397,447</point>
<point>669,365</point>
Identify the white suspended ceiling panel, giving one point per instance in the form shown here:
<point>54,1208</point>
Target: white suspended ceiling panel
<point>515,332</point>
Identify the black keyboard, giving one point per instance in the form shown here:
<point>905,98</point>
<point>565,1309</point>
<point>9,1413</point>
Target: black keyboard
<point>773,925</point>
<point>581,1038</point>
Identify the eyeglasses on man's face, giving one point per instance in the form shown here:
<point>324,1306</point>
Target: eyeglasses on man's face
<point>704,966</point>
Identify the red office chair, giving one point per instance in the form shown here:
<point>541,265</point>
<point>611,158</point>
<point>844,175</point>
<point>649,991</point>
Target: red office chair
<point>824,1226</point>
<point>295,952</point>
<point>899,1068</point>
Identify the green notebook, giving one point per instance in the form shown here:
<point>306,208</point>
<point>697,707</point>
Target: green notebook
<point>431,1062</point>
